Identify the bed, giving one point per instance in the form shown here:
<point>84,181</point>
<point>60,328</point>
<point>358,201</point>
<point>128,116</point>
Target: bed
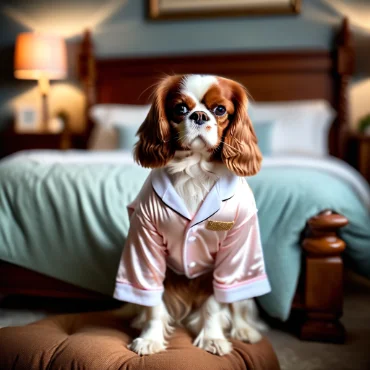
<point>311,243</point>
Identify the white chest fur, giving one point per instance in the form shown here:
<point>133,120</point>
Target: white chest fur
<point>192,176</point>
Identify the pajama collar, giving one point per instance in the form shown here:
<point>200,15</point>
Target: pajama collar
<point>223,189</point>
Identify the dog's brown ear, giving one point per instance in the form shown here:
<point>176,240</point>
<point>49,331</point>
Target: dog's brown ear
<point>240,151</point>
<point>154,148</point>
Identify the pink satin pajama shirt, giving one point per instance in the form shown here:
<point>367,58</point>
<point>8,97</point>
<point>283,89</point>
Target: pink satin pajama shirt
<point>223,236</point>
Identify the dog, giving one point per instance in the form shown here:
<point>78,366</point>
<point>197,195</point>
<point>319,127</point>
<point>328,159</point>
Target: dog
<point>193,254</point>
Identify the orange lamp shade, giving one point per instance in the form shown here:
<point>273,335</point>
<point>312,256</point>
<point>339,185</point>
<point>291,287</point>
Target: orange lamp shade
<point>40,55</point>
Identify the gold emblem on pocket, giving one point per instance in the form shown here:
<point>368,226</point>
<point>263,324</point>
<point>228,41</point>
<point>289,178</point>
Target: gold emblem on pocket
<point>219,225</point>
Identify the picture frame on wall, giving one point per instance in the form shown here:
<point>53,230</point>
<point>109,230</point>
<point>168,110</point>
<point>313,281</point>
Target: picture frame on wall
<point>27,118</point>
<point>185,9</point>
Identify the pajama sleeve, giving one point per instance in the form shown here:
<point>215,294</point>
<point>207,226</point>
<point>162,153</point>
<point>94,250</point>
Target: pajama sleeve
<point>143,263</point>
<point>239,267</point>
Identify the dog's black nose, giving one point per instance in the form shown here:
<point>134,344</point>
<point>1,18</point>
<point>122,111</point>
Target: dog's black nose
<point>199,117</point>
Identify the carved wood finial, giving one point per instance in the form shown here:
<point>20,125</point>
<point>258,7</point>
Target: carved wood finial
<point>323,239</point>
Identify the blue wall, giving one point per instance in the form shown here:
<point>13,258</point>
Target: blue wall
<point>120,29</point>
<point>128,33</point>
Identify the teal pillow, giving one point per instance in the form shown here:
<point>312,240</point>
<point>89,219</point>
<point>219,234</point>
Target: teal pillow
<point>264,131</point>
<point>127,136</point>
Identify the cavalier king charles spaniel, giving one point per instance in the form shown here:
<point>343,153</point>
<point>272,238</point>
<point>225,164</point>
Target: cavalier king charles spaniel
<point>193,255</point>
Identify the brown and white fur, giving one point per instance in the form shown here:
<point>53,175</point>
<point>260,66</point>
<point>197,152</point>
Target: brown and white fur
<point>198,128</point>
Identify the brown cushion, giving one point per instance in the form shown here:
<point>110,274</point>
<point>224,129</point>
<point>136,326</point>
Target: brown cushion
<point>97,341</point>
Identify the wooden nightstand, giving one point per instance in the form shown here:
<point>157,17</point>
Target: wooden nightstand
<point>11,141</point>
<point>360,154</point>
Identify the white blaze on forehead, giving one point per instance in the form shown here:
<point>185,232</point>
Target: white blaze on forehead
<point>197,85</point>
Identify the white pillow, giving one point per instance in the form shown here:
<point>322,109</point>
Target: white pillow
<point>107,117</point>
<point>301,127</point>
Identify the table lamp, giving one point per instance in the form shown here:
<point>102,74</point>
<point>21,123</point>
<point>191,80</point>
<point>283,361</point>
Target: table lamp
<point>41,57</point>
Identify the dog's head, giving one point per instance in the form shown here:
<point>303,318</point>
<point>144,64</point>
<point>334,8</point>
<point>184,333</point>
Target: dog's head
<point>199,113</point>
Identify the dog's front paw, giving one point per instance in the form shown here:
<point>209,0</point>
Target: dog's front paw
<point>219,347</point>
<point>246,334</point>
<point>143,346</point>
<point>216,346</point>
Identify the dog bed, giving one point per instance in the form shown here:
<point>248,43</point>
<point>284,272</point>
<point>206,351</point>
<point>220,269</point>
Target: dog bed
<point>98,341</point>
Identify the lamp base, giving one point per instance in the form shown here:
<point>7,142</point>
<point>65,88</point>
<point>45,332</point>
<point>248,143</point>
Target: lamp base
<point>44,113</point>
<point>44,87</point>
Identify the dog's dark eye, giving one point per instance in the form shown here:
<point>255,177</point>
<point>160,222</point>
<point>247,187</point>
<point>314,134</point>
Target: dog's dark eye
<point>220,110</point>
<point>181,109</point>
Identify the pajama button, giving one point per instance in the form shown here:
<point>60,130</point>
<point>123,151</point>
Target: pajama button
<point>192,239</point>
<point>192,264</point>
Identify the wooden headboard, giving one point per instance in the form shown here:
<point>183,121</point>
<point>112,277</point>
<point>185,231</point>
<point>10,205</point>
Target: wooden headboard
<point>268,76</point>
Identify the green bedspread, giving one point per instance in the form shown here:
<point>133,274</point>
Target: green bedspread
<point>69,221</point>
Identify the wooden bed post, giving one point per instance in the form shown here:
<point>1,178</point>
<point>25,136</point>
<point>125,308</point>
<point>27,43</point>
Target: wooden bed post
<point>344,68</point>
<point>323,290</point>
<point>87,76</point>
